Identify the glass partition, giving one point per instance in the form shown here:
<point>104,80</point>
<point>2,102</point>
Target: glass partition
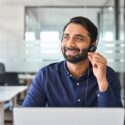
<point>52,19</point>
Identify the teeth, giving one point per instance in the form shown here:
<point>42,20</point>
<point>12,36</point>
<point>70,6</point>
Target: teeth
<point>70,50</point>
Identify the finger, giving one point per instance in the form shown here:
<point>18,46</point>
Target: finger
<point>90,58</point>
<point>98,64</point>
<point>97,59</point>
<point>98,55</point>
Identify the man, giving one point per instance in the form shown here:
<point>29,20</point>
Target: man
<point>83,80</point>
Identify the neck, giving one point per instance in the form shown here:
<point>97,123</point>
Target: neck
<point>79,69</point>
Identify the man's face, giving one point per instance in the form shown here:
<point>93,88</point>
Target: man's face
<point>75,43</point>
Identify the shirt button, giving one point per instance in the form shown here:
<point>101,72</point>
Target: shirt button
<point>98,95</point>
<point>79,100</point>
<point>77,84</point>
<point>70,75</point>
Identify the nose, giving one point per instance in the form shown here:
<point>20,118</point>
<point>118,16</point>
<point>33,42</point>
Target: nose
<point>70,43</point>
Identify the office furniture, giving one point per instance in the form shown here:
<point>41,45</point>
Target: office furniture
<point>2,74</point>
<point>26,78</point>
<point>12,78</point>
<point>7,93</point>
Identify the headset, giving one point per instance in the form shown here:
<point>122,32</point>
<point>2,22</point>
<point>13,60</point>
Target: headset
<point>92,48</point>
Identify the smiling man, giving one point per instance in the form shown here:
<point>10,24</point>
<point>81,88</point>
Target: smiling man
<point>83,79</point>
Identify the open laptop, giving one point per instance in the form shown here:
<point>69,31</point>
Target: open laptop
<point>68,116</point>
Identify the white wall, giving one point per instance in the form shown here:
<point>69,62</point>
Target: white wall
<point>11,33</point>
<point>11,22</point>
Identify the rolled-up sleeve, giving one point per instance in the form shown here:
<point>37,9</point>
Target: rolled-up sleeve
<point>112,96</point>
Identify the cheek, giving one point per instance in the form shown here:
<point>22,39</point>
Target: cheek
<point>62,45</point>
<point>81,46</point>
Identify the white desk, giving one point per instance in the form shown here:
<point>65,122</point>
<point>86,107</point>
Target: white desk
<point>6,94</point>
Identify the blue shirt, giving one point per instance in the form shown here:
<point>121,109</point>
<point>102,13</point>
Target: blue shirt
<point>53,86</point>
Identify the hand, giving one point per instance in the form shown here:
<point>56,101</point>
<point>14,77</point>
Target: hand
<point>99,69</point>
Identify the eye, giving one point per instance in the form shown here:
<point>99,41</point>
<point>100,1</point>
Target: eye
<point>65,37</point>
<point>79,39</point>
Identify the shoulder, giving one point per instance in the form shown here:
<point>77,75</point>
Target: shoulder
<point>53,67</point>
<point>111,72</point>
<point>48,72</point>
<point>112,75</point>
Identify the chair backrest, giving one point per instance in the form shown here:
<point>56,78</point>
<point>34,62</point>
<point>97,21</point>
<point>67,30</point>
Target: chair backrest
<point>12,78</point>
<point>2,74</point>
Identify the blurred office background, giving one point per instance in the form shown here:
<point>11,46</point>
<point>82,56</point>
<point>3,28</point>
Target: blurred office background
<point>31,32</point>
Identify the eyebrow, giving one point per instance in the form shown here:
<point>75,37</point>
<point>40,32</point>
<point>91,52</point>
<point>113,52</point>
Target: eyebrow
<point>65,34</point>
<point>79,35</point>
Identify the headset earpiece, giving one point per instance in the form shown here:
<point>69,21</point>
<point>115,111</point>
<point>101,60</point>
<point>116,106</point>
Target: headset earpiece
<point>92,48</point>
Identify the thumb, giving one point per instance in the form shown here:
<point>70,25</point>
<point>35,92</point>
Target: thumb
<point>90,57</point>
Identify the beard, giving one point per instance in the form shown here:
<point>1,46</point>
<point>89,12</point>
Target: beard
<point>81,56</point>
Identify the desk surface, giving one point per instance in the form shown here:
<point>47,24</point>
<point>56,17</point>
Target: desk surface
<point>8,92</point>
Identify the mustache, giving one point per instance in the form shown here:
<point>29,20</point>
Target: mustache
<point>76,49</point>
<point>72,49</point>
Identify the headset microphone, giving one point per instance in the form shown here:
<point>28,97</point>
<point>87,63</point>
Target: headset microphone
<point>92,49</point>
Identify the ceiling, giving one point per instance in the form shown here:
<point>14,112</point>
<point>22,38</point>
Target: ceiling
<point>53,11</point>
<point>50,16</point>
<point>56,2</point>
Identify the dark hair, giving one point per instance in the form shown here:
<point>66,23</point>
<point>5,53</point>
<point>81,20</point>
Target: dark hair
<point>86,23</point>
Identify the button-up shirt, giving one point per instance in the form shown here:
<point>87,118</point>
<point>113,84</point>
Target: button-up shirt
<point>54,86</point>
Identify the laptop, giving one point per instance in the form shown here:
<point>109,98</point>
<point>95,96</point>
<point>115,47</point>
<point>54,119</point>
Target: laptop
<point>68,116</point>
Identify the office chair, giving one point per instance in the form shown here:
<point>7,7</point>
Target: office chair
<point>12,78</point>
<point>2,74</point>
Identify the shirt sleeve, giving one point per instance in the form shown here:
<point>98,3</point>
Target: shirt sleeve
<point>112,96</point>
<point>36,96</point>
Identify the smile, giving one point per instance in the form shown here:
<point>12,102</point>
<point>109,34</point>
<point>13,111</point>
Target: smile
<point>71,52</point>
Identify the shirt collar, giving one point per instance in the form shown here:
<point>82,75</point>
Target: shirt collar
<point>68,73</point>
<point>66,68</point>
